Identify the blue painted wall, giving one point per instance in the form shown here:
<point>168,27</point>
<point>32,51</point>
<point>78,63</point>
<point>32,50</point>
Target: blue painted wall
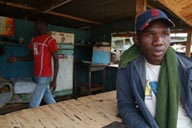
<point>24,28</point>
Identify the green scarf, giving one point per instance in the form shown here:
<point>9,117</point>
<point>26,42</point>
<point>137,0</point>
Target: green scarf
<point>168,90</point>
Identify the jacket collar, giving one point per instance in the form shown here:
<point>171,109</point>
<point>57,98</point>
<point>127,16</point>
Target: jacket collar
<point>139,65</point>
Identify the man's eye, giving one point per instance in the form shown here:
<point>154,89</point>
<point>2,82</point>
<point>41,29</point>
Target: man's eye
<point>165,34</point>
<point>148,35</point>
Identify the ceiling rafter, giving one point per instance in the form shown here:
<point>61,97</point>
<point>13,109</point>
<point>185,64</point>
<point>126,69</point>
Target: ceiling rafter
<point>48,7</point>
<point>51,13</point>
<point>58,5</point>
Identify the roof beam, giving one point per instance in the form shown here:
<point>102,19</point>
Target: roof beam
<point>17,5</point>
<point>74,18</point>
<point>48,6</point>
<point>56,5</point>
<point>141,6</point>
<point>51,13</point>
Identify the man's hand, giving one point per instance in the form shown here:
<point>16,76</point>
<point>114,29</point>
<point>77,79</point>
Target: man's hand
<point>53,85</point>
<point>12,59</point>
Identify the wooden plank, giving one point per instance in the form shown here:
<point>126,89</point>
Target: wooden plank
<point>93,111</point>
<point>188,7</point>
<point>180,8</point>
<point>4,122</point>
<point>188,44</point>
<point>57,116</point>
<point>15,119</point>
<point>141,6</point>
<point>183,2</point>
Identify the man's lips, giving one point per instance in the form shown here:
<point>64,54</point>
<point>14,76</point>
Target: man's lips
<point>157,52</point>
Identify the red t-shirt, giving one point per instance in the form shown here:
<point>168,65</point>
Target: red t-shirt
<point>42,47</point>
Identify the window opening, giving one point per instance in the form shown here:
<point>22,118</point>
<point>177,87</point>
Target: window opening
<point>119,44</point>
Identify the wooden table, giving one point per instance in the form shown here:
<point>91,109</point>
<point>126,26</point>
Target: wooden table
<point>93,111</point>
<point>90,87</point>
<point>94,68</point>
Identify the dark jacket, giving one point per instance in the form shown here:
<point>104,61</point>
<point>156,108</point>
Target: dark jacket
<point>131,105</point>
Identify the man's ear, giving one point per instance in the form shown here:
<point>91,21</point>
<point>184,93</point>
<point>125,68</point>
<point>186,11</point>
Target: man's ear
<point>135,39</point>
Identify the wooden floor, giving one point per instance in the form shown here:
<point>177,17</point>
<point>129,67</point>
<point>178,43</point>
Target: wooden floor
<point>93,111</point>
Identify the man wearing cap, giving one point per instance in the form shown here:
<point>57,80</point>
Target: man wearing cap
<point>154,83</point>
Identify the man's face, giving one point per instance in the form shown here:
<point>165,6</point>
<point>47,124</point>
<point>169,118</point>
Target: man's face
<point>154,41</point>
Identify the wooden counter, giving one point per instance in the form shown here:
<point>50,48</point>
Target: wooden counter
<point>93,111</point>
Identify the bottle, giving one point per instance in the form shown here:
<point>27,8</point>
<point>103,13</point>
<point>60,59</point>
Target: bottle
<point>21,40</point>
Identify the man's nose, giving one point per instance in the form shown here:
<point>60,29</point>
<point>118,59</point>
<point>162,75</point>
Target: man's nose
<point>157,40</point>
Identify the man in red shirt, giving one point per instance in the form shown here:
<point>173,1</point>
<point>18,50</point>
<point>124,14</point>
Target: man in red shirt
<point>43,47</point>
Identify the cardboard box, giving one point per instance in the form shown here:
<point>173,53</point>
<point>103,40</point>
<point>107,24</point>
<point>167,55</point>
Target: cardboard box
<point>101,55</point>
<point>6,26</point>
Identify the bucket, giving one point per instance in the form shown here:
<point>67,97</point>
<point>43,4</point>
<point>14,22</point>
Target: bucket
<point>6,93</point>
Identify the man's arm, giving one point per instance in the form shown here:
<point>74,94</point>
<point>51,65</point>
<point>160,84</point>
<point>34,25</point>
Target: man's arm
<point>28,57</point>
<point>128,109</point>
<point>53,83</point>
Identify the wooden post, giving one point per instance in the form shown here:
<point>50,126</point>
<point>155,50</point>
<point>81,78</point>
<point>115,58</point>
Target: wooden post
<point>141,6</point>
<point>188,44</point>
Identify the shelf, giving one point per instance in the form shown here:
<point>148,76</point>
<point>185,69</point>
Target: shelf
<point>9,43</point>
<point>85,45</point>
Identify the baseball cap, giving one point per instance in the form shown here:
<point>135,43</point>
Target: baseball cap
<point>144,19</point>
